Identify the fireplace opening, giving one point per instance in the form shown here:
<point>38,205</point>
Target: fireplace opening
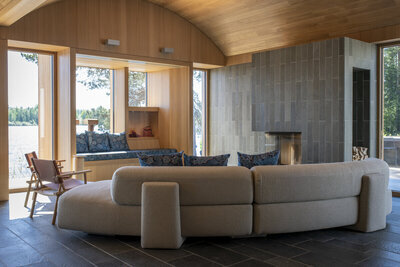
<point>289,145</point>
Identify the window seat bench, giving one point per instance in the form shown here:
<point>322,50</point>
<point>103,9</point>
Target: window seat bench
<point>104,164</point>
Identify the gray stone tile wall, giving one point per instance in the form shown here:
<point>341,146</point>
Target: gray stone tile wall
<point>230,113</point>
<point>306,88</point>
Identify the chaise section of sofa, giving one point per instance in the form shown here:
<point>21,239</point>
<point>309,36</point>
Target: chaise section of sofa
<point>307,197</point>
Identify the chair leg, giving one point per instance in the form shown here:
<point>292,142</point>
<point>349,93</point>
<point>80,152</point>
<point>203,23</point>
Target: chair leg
<point>33,204</point>
<point>27,195</point>
<point>55,211</point>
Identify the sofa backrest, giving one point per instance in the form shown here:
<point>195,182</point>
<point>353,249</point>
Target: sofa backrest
<point>197,185</point>
<point>309,182</point>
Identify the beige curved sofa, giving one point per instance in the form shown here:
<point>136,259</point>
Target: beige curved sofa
<point>165,204</point>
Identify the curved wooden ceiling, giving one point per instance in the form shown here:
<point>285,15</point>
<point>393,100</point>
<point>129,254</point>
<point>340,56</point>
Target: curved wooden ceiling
<point>241,26</point>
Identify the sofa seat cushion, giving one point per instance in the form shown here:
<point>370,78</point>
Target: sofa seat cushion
<point>197,185</point>
<point>89,208</point>
<point>310,182</point>
<point>123,154</point>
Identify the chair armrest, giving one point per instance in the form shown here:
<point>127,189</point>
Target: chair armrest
<point>60,160</point>
<point>69,174</point>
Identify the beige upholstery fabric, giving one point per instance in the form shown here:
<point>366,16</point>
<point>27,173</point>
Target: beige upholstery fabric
<point>224,220</point>
<point>304,216</point>
<point>309,182</point>
<point>372,204</point>
<point>197,185</point>
<point>161,221</point>
<point>89,208</point>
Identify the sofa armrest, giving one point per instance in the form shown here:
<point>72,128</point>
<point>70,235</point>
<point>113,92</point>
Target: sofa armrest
<point>160,215</point>
<point>372,204</point>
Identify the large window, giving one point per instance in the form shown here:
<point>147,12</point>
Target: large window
<point>93,98</point>
<point>391,111</point>
<point>199,112</point>
<point>137,89</point>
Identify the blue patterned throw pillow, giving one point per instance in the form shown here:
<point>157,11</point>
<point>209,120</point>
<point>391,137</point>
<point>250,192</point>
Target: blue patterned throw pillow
<point>249,161</point>
<point>173,159</point>
<point>82,143</point>
<point>98,142</point>
<point>220,160</point>
<point>118,142</point>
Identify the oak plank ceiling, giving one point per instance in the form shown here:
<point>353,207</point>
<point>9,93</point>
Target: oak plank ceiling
<point>242,26</point>
<point>13,10</point>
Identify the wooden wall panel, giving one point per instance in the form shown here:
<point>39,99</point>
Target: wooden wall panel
<point>88,29</point>
<point>3,121</point>
<point>158,91</point>
<point>66,103</point>
<point>171,91</point>
<point>3,32</point>
<point>181,113</point>
<point>141,27</point>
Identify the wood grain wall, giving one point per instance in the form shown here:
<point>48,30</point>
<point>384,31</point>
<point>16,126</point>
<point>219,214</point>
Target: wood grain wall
<point>142,28</point>
<point>3,121</point>
<point>171,91</point>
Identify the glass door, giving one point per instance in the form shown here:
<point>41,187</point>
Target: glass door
<point>30,111</point>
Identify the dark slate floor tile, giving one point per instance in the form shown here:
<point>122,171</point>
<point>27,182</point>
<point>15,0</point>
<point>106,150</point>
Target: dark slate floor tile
<point>48,246</point>
<point>108,244</point>
<point>217,254</point>
<point>273,247</point>
<point>67,258</point>
<point>18,255</point>
<point>289,239</point>
<point>284,262</point>
<point>165,254</point>
<point>378,262</point>
<point>252,263</point>
<point>44,263</point>
<point>330,251</point>
<point>348,245</point>
<point>193,261</point>
<point>137,258</point>
<point>226,242</point>
<point>384,254</point>
<point>253,252</point>
<point>387,245</point>
<point>111,263</point>
<point>350,236</point>
<point>318,260</point>
<point>8,238</point>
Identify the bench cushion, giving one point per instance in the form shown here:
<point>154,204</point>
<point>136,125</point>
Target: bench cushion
<point>310,182</point>
<point>197,185</point>
<point>122,154</point>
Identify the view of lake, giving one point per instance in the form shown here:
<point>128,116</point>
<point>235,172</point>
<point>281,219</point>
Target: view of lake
<point>22,139</point>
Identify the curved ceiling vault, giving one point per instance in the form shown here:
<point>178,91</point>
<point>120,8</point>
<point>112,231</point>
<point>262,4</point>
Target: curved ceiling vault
<point>242,26</point>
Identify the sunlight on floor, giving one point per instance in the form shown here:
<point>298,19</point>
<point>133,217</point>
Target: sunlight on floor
<point>18,211</point>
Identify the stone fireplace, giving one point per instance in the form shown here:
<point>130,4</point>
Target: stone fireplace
<point>289,145</point>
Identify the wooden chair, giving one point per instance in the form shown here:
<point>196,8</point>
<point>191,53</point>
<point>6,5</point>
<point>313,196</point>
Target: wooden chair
<point>51,182</point>
<point>33,179</point>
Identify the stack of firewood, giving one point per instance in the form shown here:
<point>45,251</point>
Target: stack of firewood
<point>360,153</point>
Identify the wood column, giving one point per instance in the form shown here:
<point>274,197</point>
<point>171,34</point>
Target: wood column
<point>66,106</point>
<point>119,98</point>
<point>3,121</point>
<point>45,79</point>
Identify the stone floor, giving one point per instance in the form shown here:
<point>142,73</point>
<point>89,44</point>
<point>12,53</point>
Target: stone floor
<point>36,242</point>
